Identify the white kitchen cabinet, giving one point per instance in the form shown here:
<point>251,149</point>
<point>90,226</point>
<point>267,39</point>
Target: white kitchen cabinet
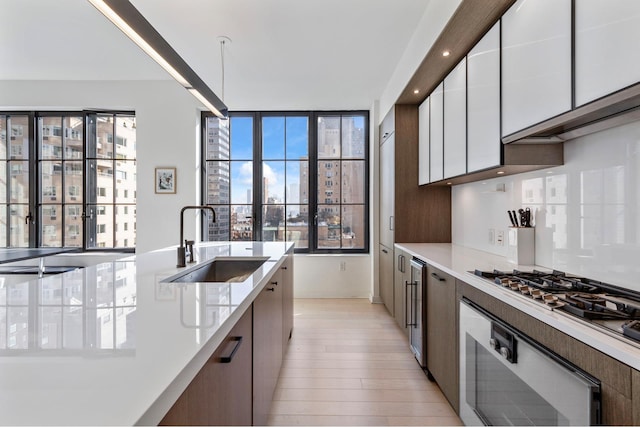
<point>536,62</point>
<point>606,47</point>
<point>387,190</point>
<point>483,102</point>
<point>436,134</point>
<point>423,143</point>
<point>455,121</point>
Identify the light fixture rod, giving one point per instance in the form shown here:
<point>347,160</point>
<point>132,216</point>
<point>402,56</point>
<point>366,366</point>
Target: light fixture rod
<point>131,22</point>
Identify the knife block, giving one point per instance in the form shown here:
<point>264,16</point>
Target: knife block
<point>521,245</point>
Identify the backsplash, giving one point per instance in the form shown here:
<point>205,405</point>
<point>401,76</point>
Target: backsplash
<point>586,212</point>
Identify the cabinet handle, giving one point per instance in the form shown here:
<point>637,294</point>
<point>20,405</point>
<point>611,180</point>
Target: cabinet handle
<point>385,251</point>
<point>409,322</point>
<point>438,278</point>
<point>284,268</point>
<point>229,358</point>
<point>391,223</point>
<point>403,258</point>
<point>271,289</point>
<point>274,283</point>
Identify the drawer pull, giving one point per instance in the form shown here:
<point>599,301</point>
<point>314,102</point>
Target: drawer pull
<point>438,278</point>
<point>271,289</point>
<point>229,358</point>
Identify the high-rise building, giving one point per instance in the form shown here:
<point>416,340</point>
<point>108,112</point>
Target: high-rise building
<point>218,178</point>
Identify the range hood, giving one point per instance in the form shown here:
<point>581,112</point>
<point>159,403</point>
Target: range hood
<point>613,110</point>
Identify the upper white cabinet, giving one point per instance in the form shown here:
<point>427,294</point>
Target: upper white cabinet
<point>455,121</point>
<point>536,62</point>
<point>436,135</point>
<point>423,142</point>
<point>606,47</point>
<point>483,102</point>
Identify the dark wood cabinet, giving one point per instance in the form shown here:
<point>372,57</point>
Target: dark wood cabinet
<point>402,275</point>
<point>287,301</point>
<point>385,260</point>
<point>220,394</point>
<point>267,346</point>
<point>442,333</point>
<point>408,213</point>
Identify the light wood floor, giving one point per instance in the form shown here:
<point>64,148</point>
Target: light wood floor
<point>349,364</point>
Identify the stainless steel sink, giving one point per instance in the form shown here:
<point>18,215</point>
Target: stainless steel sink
<point>224,270</point>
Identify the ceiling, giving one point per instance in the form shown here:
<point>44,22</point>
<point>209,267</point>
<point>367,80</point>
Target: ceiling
<point>283,55</point>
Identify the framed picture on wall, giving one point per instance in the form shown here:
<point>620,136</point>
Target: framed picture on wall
<point>165,180</point>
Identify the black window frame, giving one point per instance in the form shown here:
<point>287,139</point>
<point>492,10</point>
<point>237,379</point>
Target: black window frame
<point>36,205</point>
<point>257,207</point>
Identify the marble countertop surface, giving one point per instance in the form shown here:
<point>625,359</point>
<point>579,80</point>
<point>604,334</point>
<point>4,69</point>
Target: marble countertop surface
<point>112,344</point>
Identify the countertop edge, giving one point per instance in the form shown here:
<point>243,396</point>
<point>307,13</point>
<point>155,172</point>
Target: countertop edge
<point>613,347</point>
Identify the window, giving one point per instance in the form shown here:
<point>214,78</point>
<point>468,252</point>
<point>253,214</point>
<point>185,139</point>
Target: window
<point>67,158</point>
<point>299,176</point>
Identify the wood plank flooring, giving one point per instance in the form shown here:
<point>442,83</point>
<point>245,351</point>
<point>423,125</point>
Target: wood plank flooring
<point>349,364</point>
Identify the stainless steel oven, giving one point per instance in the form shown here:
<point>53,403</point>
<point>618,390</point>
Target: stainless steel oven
<point>508,379</point>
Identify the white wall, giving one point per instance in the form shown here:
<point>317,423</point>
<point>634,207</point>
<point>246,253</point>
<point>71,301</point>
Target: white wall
<point>587,212</point>
<point>319,276</point>
<point>435,17</point>
<point>168,120</point>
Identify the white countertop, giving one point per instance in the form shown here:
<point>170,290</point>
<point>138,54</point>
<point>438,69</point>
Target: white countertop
<point>458,261</point>
<point>113,345</point>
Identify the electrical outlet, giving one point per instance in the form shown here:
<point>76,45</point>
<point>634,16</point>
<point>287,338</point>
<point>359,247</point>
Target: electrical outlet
<point>500,238</point>
<point>492,236</point>
<point>343,266</point>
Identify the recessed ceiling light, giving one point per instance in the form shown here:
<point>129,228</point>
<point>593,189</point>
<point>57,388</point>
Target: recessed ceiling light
<point>500,172</point>
<point>448,183</point>
<point>416,91</point>
<point>446,53</point>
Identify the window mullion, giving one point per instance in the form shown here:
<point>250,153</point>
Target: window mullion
<point>313,183</point>
<point>34,223</point>
<point>257,177</point>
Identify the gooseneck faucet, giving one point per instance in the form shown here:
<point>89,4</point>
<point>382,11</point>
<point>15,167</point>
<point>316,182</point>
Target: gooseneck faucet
<point>182,255</point>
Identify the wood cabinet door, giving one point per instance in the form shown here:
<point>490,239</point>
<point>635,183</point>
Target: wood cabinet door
<point>220,394</point>
<point>483,102</point>
<point>442,333</point>
<point>287,301</point>
<point>387,191</point>
<point>267,347</point>
<point>606,47</point>
<point>402,273</point>
<point>536,63</point>
<point>386,277</point>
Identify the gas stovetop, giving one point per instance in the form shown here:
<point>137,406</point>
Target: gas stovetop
<point>607,306</point>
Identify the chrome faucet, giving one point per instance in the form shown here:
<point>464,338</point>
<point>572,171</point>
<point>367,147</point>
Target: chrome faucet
<point>182,252</point>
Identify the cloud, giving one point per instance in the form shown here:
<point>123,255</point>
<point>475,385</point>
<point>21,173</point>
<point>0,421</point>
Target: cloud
<point>246,173</point>
<point>270,174</point>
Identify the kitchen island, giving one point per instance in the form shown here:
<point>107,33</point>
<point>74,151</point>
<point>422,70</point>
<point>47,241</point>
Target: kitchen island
<point>115,343</point>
